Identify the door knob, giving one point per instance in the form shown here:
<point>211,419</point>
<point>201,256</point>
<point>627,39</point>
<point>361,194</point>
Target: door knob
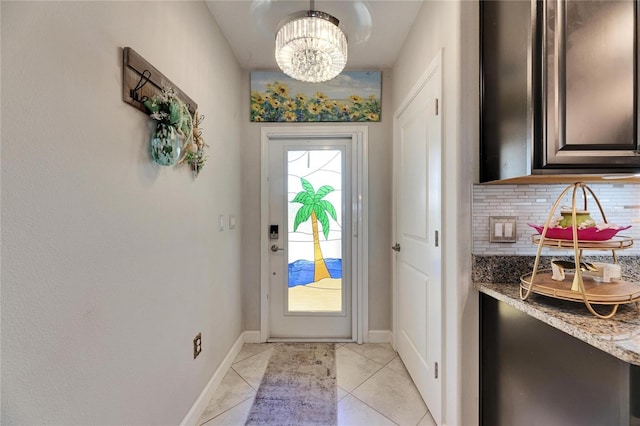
<point>275,248</point>
<point>396,247</point>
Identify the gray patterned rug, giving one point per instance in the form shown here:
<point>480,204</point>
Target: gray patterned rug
<point>299,387</point>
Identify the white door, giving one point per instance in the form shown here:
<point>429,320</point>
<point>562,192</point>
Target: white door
<point>417,264</point>
<point>310,217</point>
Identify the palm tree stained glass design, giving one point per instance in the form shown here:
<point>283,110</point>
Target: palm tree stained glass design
<point>315,230</point>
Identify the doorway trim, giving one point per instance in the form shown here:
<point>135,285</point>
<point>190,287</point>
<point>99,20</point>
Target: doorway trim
<point>359,136</point>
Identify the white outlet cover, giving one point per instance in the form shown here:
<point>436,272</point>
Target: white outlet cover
<point>220,222</point>
<point>502,229</point>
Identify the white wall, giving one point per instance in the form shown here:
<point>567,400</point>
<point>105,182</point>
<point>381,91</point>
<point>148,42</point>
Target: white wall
<point>380,153</point>
<point>111,264</point>
<point>452,27</point>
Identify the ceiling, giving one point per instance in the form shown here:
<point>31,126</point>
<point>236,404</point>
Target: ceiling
<point>375,29</point>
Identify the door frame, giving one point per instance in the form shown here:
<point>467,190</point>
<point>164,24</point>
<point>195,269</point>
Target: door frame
<point>359,136</point>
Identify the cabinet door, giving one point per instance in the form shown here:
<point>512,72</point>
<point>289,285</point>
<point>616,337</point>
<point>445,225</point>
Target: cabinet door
<point>534,374</point>
<point>506,112</point>
<point>589,85</point>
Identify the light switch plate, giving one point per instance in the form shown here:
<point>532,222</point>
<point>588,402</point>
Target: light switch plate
<point>502,229</point>
<point>232,221</point>
<point>220,222</point>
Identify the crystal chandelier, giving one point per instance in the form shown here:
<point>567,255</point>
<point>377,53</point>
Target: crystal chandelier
<point>310,46</point>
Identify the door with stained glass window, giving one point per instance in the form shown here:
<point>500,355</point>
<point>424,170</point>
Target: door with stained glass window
<point>310,193</point>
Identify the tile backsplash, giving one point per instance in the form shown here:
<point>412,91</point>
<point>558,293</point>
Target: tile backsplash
<point>532,204</point>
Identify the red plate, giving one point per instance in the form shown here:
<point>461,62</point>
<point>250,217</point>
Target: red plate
<point>588,234</point>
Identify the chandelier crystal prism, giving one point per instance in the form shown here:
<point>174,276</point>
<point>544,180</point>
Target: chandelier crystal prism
<point>311,47</point>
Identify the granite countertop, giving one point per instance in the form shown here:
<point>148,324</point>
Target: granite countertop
<point>618,336</point>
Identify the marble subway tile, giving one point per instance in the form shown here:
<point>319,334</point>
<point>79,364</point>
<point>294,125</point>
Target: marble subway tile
<point>532,204</point>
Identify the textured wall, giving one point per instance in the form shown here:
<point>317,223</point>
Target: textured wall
<point>532,204</point>
<point>380,153</point>
<point>111,264</point>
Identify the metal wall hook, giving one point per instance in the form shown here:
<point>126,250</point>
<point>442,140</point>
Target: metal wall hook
<point>144,79</point>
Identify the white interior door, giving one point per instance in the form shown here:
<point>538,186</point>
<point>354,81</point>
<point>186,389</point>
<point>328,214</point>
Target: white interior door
<point>310,222</point>
<point>417,265</point>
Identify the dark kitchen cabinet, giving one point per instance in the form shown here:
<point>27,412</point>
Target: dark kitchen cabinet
<point>534,374</point>
<point>559,87</point>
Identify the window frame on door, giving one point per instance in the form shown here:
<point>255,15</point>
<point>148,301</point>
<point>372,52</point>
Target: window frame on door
<point>360,238</point>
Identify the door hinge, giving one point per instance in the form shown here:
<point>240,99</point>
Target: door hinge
<point>437,239</point>
<point>437,109</point>
<point>396,247</point>
<point>435,371</point>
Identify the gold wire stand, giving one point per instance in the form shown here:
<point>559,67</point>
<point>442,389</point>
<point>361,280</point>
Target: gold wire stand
<point>591,293</point>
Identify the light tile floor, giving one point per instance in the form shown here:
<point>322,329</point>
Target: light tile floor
<point>374,388</point>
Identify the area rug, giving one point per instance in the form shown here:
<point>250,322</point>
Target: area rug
<point>299,387</point>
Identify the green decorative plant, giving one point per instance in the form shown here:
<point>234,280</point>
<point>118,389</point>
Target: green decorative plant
<point>167,108</point>
<point>195,151</point>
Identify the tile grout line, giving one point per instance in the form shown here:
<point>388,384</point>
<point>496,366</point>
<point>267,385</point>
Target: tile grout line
<point>227,410</point>
<point>251,356</point>
<point>428,413</point>
<point>351,394</point>
<point>242,377</point>
<point>373,408</point>
<point>372,376</point>
<point>379,367</point>
<point>244,380</point>
<point>369,358</point>
<point>241,402</point>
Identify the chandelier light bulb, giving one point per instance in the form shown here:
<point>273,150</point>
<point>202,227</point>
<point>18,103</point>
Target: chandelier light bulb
<point>311,47</point>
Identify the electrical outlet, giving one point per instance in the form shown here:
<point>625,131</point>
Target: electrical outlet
<point>197,345</point>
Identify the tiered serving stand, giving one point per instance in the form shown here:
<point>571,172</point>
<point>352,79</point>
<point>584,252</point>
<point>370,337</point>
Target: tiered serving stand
<point>591,292</point>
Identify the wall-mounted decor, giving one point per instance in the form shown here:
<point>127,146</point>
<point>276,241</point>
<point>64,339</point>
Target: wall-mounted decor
<point>142,81</point>
<point>351,96</point>
<point>176,138</point>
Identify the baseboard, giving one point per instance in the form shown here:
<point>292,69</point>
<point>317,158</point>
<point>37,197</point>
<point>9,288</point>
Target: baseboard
<point>380,336</point>
<point>252,336</point>
<point>192,417</point>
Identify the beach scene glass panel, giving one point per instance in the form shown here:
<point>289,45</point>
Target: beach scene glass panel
<point>352,96</point>
<point>314,187</point>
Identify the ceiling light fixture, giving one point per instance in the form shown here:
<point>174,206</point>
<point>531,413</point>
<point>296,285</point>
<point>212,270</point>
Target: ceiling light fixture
<point>310,46</point>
